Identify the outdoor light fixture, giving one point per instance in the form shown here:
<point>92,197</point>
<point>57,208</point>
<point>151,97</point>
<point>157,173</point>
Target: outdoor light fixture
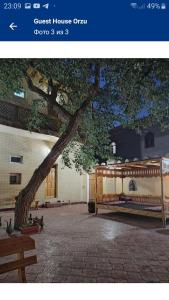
<point>113,144</point>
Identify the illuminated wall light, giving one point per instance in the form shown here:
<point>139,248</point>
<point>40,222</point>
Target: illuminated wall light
<point>45,149</point>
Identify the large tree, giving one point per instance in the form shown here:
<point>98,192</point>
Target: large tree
<point>88,97</point>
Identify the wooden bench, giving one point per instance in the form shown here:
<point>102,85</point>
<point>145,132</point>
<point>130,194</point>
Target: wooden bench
<point>156,200</point>
<point>17,245</point>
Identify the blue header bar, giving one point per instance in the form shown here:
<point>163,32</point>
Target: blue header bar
<point>85,20</point>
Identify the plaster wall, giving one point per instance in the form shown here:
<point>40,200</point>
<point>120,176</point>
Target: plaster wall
<point>145,186</point>
<point>71,185</point>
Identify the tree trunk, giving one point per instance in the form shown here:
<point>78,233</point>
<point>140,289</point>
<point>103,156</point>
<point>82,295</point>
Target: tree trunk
<point>26,196</point>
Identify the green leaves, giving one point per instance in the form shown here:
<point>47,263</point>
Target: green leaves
<point>129,90</point>
<point>36,120</point>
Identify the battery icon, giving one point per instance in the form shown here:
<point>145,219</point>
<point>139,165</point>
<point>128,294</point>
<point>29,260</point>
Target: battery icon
<point>163,6</point>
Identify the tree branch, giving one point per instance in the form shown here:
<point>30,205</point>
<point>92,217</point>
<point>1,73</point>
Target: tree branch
<point>60,112</point>
<point>54,108</point>
<point>35,89</point>
<point>57,110</point>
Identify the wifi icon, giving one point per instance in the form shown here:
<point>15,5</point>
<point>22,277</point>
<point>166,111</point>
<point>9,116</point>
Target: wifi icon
<point>46,5</point>
<point>134,5</point>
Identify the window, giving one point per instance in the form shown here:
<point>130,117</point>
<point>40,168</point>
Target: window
<point>17,159</point>
<point>20,94</point>
<point>149,140</point>
<point>15,178</point>
<point>132,185</point>
<point>113,144</point>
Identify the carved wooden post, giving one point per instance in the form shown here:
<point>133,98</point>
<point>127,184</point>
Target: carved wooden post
<point>162,194</point>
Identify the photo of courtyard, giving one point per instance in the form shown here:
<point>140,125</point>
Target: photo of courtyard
<point>84,177</point>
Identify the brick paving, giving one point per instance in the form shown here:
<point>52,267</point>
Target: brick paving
<point>76,247</point>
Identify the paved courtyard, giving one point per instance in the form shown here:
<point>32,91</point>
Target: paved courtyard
<point>77,247</point>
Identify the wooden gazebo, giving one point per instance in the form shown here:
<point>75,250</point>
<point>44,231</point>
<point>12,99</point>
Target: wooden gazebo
<point>145,199</point>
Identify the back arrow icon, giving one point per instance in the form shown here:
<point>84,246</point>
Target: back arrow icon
<point>13,26</point>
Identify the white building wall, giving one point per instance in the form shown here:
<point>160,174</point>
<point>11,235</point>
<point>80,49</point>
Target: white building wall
<point>166,186</point>
<point>145,186</point>
<point>109,185</point>
<point>112,185</point>
<point>71,185</point>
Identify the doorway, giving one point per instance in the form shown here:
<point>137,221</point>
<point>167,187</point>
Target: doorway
<point>51,183</point>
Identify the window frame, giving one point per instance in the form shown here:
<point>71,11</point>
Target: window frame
<point>147,142</point>
<point>15,162</point>
<point>18,178</point>
<point>19,90</point>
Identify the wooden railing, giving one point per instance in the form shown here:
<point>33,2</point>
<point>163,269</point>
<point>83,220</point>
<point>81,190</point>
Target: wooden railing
<point>145,172</point>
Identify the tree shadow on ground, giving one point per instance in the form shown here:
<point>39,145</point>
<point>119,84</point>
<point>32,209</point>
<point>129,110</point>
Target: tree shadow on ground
<point>163,231</point>
<point>133,220</point>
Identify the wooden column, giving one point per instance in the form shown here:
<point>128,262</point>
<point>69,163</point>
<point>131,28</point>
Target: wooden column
<point>96,209</point>
<point>162,195</point>
<point>122,184</point>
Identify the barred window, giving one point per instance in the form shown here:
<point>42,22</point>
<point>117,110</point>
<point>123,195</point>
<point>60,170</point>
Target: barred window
<point>15,178</point>
<point>16,159</point>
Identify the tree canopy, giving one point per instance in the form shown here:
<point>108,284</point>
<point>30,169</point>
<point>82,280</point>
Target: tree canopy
<point>129,92</point>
